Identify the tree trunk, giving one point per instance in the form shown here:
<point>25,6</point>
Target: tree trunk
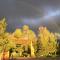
<point>3,55</point>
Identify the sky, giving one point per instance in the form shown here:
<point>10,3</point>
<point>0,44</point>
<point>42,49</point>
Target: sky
<point>35,13</point>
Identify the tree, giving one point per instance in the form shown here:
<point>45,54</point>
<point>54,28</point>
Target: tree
<point>52,45</point>
<point>3,25</point>
<point>2,30</point>
<point>29,36</point>
<point>17,33</point>
<point>5,42</point>
<point>17,38</point>
<point>46,42</point>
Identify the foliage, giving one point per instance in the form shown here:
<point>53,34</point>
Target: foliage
<point>24,42</point>
<point>47,44</point>
<point>18,33</point>
<point>2,25</point>
<point>30,37</point>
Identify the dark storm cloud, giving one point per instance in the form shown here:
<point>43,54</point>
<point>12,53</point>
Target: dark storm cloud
<point>16,11</point>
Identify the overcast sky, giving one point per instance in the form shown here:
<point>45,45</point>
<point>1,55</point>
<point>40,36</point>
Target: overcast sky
<point>31,12</point>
